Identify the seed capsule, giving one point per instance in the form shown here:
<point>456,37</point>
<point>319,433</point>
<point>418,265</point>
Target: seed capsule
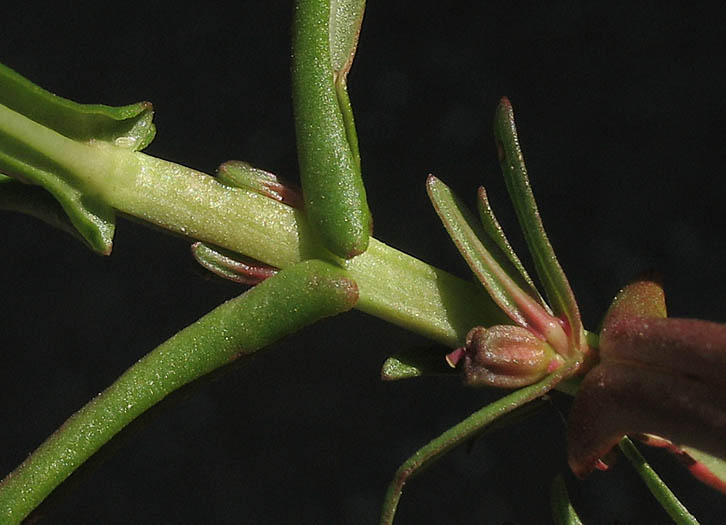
<point>506,357</point>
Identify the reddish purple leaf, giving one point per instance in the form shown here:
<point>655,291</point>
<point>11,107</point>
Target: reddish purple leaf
<point>618,398</point>
<point>657,376</point>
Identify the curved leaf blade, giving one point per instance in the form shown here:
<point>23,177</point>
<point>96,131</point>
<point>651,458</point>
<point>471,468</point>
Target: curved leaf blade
<point>563,513</point>
<point>22,156</point>
<point>463,431</point>
<point>496,233</point>
<point>556,286</point>
<point>240,174</point>
<point>294,298</point>
<point>35,202</point>
<point>335,197</point>
<point>231,266</point>
<point>670,503</point>
<point>36,124</point>
<point>130,127</point>
<point>346,18</point>
<point>493,269</point>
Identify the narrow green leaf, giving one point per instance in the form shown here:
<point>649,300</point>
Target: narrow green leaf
<point>281,305</point>
<point>513,418</point>
<point>563,513</point>
<point>335,199</point>
<point>346,18</point>
<point>231,266</point>
<point>670,503</point>
<point>24,155</point>
<point>36,202</point>
<point>417,362</point>
<point>556,286</point>
<point>496,233</point>
<point>35,124</point>
<point>130,127</point>
<point>239,174</point>
<point>461,432</point>
<point>346,110</point>
<point>501,279</point>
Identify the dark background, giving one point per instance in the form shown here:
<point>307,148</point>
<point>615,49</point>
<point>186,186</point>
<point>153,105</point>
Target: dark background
<point>621,114</point>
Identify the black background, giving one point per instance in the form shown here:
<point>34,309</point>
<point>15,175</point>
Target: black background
<point>621,114</point>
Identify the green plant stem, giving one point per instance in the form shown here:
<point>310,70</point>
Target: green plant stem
<point>281,305</point>
<point>670,503</point>
<point>393,286</point>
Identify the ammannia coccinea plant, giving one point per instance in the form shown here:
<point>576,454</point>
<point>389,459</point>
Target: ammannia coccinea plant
<point>501,332</point>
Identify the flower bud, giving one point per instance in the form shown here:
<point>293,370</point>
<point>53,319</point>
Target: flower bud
<point>506,357</point>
